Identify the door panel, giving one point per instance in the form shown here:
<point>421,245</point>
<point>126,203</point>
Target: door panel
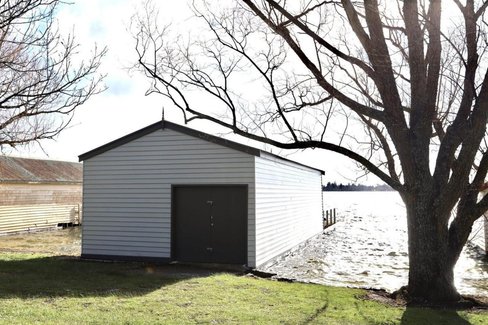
<point>230,225</point>
<point>210,224</point>
<point>192,224</point>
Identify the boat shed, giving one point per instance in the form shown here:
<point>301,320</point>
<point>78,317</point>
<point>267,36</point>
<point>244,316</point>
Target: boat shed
<point>171,193</point>
<point>38,194</point>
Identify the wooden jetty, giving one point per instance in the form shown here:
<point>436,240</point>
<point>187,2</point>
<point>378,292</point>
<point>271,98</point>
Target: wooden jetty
<point>330,218</point>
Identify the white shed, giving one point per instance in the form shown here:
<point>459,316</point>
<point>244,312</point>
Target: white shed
<point>171,193</point>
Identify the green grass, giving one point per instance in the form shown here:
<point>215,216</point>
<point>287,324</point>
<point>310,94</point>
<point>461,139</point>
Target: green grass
<point>53,290</point>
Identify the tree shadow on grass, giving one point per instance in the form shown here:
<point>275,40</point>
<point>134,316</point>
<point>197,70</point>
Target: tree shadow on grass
<point>427,316</point>
<point>72,277</point>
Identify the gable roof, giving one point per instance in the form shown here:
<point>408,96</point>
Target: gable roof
<point>185,130</point>
<point>26,170</point>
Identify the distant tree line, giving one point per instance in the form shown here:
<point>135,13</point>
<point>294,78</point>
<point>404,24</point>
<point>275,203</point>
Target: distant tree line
<point>354,187</point>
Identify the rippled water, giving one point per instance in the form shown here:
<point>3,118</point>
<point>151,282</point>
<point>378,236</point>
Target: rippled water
<point>368,248</point>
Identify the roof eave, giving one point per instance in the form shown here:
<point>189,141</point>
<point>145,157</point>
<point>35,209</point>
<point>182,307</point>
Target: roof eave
<point>120,141</point>
<point>293,162</point>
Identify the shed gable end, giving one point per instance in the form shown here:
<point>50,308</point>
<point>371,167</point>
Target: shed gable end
<point>127,190</point>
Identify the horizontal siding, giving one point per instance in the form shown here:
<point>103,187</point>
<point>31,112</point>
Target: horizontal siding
<point>127,191</point>
<point>187,178</point>
<point>168,164</point>
<point>123,229</point>
<point>20,218</point>
<point>130,250</point>
<point>136,241</point>
<point>99,233</point>
<point>288,206</point>
<point>32,194</point>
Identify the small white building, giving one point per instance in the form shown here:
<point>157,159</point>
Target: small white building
<point>170,193</point>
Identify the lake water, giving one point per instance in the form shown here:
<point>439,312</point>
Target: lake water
<point>368,248</point>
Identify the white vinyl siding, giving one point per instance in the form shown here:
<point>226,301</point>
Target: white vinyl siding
<point>127,191</point>
<point>288,206</point>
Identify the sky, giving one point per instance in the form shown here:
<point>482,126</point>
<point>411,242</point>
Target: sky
<point>124,107</point>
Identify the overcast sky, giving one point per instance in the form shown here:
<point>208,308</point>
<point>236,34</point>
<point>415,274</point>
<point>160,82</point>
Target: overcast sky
<point>123,107</point>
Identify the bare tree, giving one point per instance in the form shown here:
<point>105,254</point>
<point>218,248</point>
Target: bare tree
<point>41,78</point>
<point>416,83</point>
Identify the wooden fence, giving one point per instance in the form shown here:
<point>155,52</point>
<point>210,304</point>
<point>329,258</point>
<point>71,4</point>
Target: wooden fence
<point>329,217</point>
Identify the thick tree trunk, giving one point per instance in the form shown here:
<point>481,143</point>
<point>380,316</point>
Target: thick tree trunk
<point>431,275</point>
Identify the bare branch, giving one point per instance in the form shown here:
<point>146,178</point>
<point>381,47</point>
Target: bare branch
<point>40,85</point>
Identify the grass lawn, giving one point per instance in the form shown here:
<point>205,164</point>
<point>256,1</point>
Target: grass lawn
<point>36,288</point>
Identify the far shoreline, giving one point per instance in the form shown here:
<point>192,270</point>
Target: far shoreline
<point>334,187</point>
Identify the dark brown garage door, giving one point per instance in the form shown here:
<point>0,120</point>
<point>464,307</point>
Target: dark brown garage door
<point>210,224</point>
